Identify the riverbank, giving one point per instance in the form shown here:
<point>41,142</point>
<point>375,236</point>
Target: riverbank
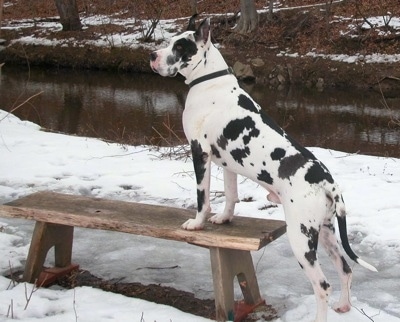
<point>294,48</point>
<point>275,71</point>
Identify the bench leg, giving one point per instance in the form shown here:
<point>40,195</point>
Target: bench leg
<point>44,237</point>
<point>226,264</point>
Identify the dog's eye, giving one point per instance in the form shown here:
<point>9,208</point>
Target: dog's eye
<point>179,47</point>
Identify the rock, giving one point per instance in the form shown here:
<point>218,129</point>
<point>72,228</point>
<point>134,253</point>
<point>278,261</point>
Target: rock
<point>257,62</point>
<point>290,72</point>
<point>2,42</point>
<point>320,84</point>
<point>243,72</point>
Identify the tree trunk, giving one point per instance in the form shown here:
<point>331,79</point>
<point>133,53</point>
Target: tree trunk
<point>248,21</point>
<point>69,16</point>
<point>1,13</point>
<point>193,6</point>
<point>270,10</point>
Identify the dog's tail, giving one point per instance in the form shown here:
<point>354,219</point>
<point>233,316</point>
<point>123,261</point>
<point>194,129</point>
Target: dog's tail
<point>341,218</point>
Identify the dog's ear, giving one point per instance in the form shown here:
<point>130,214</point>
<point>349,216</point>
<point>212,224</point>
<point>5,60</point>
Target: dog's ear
<point>203,32</point>
<point>192,23</point>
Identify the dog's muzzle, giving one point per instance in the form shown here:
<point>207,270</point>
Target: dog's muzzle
<point>153,58</point>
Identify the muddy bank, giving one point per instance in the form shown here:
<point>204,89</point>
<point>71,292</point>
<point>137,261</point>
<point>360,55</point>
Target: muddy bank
<point>273,71</point>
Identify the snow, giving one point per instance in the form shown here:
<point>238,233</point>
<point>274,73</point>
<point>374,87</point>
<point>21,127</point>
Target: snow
<point>136,29</point>
<point>131,37</point>
<point>34,160</point>
<point>81,304</point>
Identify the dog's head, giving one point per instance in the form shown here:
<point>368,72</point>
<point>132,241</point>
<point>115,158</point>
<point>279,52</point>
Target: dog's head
<point>184,52</point>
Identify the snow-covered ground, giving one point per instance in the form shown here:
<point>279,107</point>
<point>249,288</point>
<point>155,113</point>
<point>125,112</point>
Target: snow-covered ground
<point>32,160</point>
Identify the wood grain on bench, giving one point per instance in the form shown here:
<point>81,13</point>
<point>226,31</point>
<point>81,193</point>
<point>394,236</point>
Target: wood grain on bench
<point>142,219</point>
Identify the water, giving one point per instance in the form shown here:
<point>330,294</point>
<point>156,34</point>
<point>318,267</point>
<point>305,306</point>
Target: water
<point>146,108</point>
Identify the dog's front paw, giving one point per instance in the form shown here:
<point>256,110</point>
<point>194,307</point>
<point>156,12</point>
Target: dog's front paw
<point>220,219</point>
<point>193,224</point>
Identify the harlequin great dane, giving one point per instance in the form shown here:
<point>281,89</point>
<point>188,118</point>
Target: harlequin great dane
<point>225,125</point>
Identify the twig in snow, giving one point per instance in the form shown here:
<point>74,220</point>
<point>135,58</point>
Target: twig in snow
<point>74,305</point>
<point>10,311</point>
<point>13,281</point>
<point>34,289</point>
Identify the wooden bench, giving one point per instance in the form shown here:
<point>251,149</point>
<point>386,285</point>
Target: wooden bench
<point>56,215</point>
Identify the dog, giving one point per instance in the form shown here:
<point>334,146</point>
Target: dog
<point>224,125</point>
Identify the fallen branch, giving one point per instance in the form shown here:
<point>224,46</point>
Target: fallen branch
<point>387,77</point>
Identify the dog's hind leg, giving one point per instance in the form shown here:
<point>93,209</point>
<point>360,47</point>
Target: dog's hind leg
<point>202,169</point>
<point>231,198</point>
<point>303,238</point>
<point>332,247</point>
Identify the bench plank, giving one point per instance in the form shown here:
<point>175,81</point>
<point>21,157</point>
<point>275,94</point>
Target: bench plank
<point>142,219</point>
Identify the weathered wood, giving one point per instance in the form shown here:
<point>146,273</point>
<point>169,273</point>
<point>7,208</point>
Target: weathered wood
<point>142,219</point>
<point>45,236</point>
<point>227,264</point>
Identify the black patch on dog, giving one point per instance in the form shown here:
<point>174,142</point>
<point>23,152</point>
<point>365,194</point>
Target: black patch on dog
<point>346,267</point>
<point>312,235</point>
<point>197,64</point>
<point>289,165</point>
<point>215,151</point>
<point>199,160</point>
<point>278,154</point>
<point>247,138</point>
<point>271,123</point>
<point>265,176</point>
<point>200,199</point>
<point>311,257</point>
<point>325,285</point>
<point>222,142</point>
<point>239,154</point>
<point>236,127</point>
<point>330,226</point>
<point>183,49</point>
<point>171,59</point>
<point>305,152</point>
<point>172,70</point>
<point>245,102</point>
<point>318,173</point>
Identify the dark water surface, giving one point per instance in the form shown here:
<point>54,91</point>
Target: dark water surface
<point>145,108</point>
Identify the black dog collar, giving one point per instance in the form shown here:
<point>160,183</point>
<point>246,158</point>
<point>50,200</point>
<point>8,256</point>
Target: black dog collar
<point>204,78</point>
